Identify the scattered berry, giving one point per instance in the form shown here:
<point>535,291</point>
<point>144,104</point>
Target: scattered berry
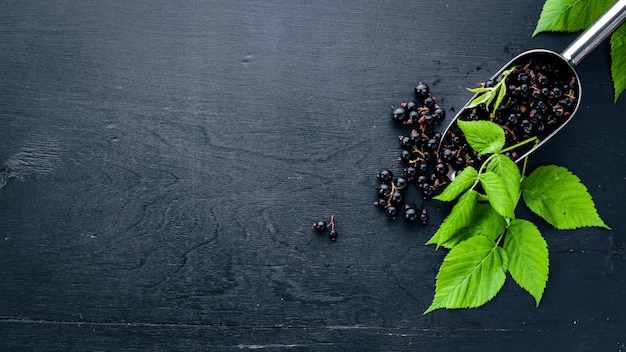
<point>320,226</point>
<point>333,235</point>
<point>424,216</point>
<point>410,214</point>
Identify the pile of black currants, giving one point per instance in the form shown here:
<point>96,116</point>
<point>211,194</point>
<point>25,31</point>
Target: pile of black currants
<point>536,97</point>
<point>418,155</point>
<point>541,95</point>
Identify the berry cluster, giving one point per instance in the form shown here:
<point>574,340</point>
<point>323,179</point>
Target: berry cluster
<point>418,155</point>
<point>540,96</point>
<point>391,197</point>
<point>322,226</point>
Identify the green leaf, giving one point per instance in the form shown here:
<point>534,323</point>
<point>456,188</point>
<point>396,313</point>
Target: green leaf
<point>569,15</point>
<point>485,221</point>
<point>471,275</point>
<point>498,194</point>
<point>479,89</point>
<point>506,168</point>
<point>558,196</point>
<point>460,216</point>
<point>528,257</point>
<point>461,182</point>
<point>485,137</point>
<point>482,98</point>
<point>618,61</point>
<point>487,94</point>
<point>501,95</point>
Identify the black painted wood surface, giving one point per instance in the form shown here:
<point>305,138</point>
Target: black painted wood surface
<point>163,162</point>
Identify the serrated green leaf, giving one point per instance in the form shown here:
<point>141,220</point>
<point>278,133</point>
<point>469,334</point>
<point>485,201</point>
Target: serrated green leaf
<point>527,252</point>
<point>506,168</point>
<point>461,182</point>
<point>558,196</point>
<point>618,61</point>
<point>498,194</point>
<point>471,275</point>
<point>569,15</point>
<point>485,137</point>
<point>460,216</point>
<point>485,221</point>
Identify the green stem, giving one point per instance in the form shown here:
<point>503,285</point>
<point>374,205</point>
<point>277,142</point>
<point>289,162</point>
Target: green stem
<point>524,166</point>
<point>482,168</point>
<point>500,238</point>
<point>508,149</point>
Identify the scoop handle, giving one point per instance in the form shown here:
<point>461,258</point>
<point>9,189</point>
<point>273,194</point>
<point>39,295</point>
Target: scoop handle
<point>601,29</point>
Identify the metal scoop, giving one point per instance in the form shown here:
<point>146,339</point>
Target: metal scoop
<point>601,29</point>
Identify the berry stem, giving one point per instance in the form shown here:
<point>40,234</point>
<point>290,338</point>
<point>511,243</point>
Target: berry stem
<point>393,190</point>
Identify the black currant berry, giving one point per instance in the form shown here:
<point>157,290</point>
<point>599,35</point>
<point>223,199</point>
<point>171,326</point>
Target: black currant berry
<point>414,117</point>
<point>333,235</point>
<point>399,114</point>
<point>421,168</point>
<point>385,176</point>
<point>410,215</point>
<point>422,91</point>
<point>392,212</point>
<point>421,180</point>
<point>320,226</point>
<point>381,202</point>
<point>440,169</point>
<point>406,142</point>
<point>384,190</point>
<point>439,114</point>
<point>424,216</point>
<point>446,155</point>
<point>401,183</point>
<point>432,144</point>
<point>405,155</point>
<point>396,198</point>
<point>411,105</point>
<point>411,172</point>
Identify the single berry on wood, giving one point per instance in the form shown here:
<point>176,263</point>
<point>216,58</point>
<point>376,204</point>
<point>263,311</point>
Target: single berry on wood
<point>422,90</point>
<point>320,226</point>
<point>399,114</point>
<point>424,216</point>
<point>410,214</point>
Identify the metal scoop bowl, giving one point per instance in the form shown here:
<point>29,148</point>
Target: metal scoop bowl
<point>601,29</point>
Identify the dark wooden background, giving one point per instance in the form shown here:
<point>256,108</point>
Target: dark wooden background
<point>163,162</point>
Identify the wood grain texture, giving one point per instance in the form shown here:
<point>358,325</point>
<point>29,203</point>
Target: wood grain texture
<point>164,161</point>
